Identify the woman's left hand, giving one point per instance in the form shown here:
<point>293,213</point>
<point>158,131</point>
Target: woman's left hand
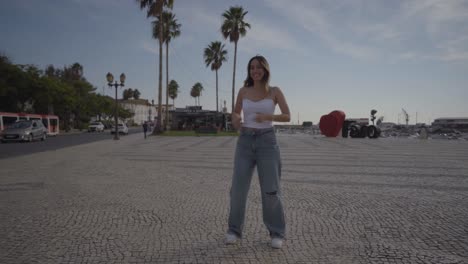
<point>259,118</point>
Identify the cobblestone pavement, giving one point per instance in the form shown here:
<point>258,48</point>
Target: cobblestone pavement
<point>165,200</point>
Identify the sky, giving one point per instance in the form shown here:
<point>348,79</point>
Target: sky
<point>325,55</point>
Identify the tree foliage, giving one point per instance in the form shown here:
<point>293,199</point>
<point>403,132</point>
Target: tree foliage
<point>173,90</point>
<point>131,93</point>
<point>234,27</point>
<point>63,92</point>
<point>195,92</point>
<point>214,56</point>
<point>154,8</point>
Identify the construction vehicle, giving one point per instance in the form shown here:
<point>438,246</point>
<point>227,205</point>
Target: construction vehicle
<point>362,129</point>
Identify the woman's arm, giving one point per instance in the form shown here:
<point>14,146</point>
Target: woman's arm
<point>235,117</point>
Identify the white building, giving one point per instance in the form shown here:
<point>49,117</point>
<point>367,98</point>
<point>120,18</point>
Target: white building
<point>451,122</point>
<point>143,110</point>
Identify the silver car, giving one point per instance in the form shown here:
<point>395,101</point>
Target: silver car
<point>96,127</point>
<point>25,130</point>
<point>121,128</point>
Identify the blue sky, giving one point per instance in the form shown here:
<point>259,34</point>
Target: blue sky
<point>349,55</point>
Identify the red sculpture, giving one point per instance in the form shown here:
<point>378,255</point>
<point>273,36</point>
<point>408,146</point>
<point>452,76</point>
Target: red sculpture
<point>331,124</point>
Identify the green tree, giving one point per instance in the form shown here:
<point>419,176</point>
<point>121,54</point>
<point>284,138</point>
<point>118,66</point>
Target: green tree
<point>74,76</point>
<point>215,55</point>
<point>136,94</point>
<point>195,92</point>
<point>64,92</point>
<point>127,94</point>
<point>173,91</point>
<point>234,27</point>
<point>154,8</point>
<point>12,78</point>
<point>171,29</point>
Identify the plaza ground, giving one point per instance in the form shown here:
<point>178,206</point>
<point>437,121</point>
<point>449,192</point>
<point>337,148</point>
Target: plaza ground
<point>165,200</point>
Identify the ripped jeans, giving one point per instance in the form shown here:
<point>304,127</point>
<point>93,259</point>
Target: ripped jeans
<point>257,148</point>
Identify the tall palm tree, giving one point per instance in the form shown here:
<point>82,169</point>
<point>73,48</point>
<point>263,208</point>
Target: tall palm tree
<point>173,91</point>
<point>197,88</point>
<point>171,29</point>
<point>215,55</point>
<point>194,94</point>
<point>154,8</point>
<point>234,27</point>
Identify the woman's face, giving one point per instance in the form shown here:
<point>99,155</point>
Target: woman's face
<point>256,70</point>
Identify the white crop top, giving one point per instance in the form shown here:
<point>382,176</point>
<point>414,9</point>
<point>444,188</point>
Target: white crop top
<point>251,108</point>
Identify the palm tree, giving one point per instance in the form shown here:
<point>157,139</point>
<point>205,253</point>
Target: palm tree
<point>234,27</point>
<point>197,88</point>
<point>173,91</point>
<point>155,9</point>
<point>193,93</point>
<point>171,29</point>
<point>215,55</point>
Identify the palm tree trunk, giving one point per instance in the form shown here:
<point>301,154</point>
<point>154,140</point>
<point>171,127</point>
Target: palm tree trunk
<point>216,91</point>
<point>234,76</point>
<point>160,75</point>
<point>167,86</point>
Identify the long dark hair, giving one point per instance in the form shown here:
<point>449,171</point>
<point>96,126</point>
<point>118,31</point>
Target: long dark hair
<point>266,78</point>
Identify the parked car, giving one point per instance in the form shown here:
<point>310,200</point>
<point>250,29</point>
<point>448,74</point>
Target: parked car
<point>122,129</point>
<point>24,130</point>
<point>96,127</point>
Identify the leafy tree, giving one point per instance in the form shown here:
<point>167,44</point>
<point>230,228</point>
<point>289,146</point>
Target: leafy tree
<point>136,94</point>
<point>234,27</point>
<point>73,76</point>
<point>195,92</point>
<point>171,29</point>
<point>64,92</point>
<point>215,55</point>
<point>130,93</point>
<point>154,8</point>
<point>173,91</point>
<point>10,76</point>
<point>127,94</point>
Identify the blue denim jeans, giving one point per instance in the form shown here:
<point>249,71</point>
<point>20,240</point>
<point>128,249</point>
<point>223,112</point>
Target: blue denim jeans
<point>257,148</point>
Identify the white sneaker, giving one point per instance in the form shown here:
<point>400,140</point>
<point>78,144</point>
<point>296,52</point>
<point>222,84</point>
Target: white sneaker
<point>276,242</point>
<point>231,238</point>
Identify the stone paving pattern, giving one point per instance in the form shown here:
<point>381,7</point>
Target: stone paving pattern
<point>165,200</point>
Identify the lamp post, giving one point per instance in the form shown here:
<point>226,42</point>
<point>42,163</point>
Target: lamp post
<point>110,80</point>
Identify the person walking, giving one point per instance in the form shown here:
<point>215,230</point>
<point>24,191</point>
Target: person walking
<point>145,128</point>
<point>257,147</point>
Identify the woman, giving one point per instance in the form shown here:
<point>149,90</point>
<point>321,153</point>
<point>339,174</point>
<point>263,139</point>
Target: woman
<point>257,146</point>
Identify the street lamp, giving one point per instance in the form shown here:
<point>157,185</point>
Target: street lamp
<point>110,79</point>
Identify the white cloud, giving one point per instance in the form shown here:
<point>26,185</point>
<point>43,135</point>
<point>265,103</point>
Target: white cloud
<point>413,29</point>
<point>264,35</point>
<point>197,20</point>
<point>150,47</point>
<point>317,21</point>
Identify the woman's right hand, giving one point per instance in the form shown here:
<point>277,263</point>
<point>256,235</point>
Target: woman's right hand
<point>236,121</point>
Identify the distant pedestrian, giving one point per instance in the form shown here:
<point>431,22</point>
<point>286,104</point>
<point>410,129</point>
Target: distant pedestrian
<point>145,128</point>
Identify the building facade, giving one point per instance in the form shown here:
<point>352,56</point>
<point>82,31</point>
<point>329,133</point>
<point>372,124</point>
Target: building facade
<point>460,123</point>
<point>194,117</point>
<point>143,110</point>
